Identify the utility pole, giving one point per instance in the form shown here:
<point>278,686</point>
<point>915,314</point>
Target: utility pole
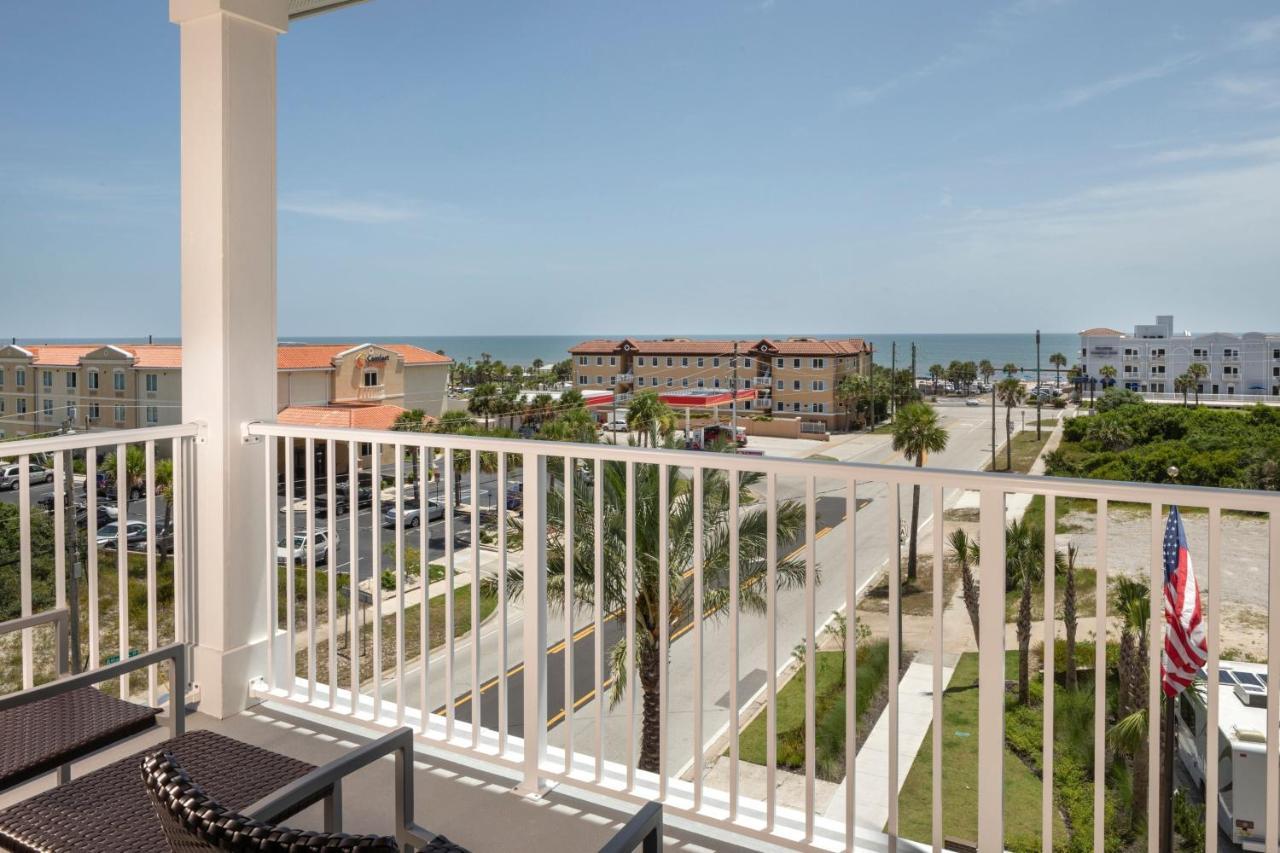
<point>993,426</point>
<point>73,542</point>
<point>733,403</point>
<point>913,369</point>
<point>871,383</point>
<point>1039,397</point>
<point>893,381</point>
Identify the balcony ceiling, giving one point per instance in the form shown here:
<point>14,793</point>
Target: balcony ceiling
<point>306,8</point>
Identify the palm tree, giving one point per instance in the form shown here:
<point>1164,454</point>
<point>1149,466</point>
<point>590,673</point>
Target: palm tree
<point>936,372</point>
<point>649,416</point>
<point>1183,385</point>
<point>986,370</point>
<point>537,365</point>
<point>135,472</point>
<point>853,389</point>
<point>1059,361</point>
<point>916,434</point>
<point>1133,606</point>
<point>752,535</point>
<point>966,554</point>
<point>1069,613</point>
<point>1010,369</point>
<point>1108,372</point>
<point>1011,393</point>
<point>484,400</point>
<point>1024,564</point>
<point>1197,371</point>
<point>414,420</point>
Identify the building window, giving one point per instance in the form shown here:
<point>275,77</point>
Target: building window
<point>795,385</point>
<point>702,383</point>
<point>820,408</point>
<point>153,415</point>
<point>370,378</point>
<point>93,380</point>
<point>1157,368</point>
<point>669,382</point>
<point>95,412</point>
<point>20,377</point>
<point>746,362</point>
<point>582,360</point>
<point>153,383</point>
<point>1157,353</point>
<point>1275,353</point>
<point>582,380</point>
<point>1,377</point>
<point>818,363</point>
<point>72,381</point>
<point>46,378</point>
<point>22,407</point>
<point>599,380</point>
<point>781,384</point>
<point>684,383</point>
<point>48,408</point>
<point>779,363</point>
<point>1231,353</point>
<point>670,361</point>
<point>613,361</point>
<point>117,380</point>
<point>795,407</point>
<point>819,385</point>
<point>71,412</point>
<point>684,361</point>
<point>599,361</point>
<point>1,405</point>
<point>715,383</point>
<point>795,362</point>
<point>365,449</point>
<point>700,361</point>
<point>715,362</point>
<point>1199,353</point>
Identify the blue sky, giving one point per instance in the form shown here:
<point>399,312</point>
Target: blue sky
<point>578,167</point>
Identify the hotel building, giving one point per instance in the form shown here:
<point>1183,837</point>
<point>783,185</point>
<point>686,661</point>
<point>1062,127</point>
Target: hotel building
<point>120,386</point>
<point>1149,360</point>
<point>796,377</point>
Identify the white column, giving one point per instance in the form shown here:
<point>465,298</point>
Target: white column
<point>228,95</point>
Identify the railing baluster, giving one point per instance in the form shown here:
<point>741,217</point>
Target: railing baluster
<point>734,593</point>
<point>91,541</point>
<point>569,464</point>
<point>399,531</point>
<point>178,497</point>
<point>290,572</point>
<point>664,624</point>
<point>1155,705</point>
<point>771,649</point>
<point>60,529</point>
<point>450,701</point>
<point>153,631</point>
<point>991,571</point>
<point>501,488</point>
<point>331,562</point>
<point>270,563</point>
<point>1272,790</point>
<point>354,644</point>
<point>811,653</point>
<point>894,518</point>
<point>1047,807</point>
<point>533,559</point>
<point>597,528</point>
<point>850,661</point>
<point>24,566</point>
<point>1099,665</point>
<point>476,715</point>
<point>632,687</point>
<point>122,558</point>
<point>698,758</point>
<point>309,490</point>
<point>1215,652</point>
<point>939,615</point>
<point>424,567</point>
<point>375,577</point>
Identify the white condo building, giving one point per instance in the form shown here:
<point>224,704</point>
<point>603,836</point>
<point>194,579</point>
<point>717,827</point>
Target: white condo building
<point>1149,360</point>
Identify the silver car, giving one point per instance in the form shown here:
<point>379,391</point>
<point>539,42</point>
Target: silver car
<point>10,475</point>
<point>413,513</point>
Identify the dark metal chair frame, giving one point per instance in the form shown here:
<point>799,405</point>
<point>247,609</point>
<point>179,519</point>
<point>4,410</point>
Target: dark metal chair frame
<point>174,654</point>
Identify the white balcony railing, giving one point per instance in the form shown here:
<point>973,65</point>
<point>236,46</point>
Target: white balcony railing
<point>389,687</point>
<point>136,583</point>
<point>371,393</point>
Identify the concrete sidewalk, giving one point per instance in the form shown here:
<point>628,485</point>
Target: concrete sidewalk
<point>915,717</point>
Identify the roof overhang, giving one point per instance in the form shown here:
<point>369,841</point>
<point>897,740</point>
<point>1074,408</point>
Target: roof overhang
<point>307,8</point>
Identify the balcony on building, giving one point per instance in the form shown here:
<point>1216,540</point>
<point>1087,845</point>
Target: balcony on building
<point>286,652</point>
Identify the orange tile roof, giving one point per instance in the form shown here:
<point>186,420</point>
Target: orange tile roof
<point>156,355</point>
<point>339,415</point>
<point>684,346</point>
<point>313,356</point>
<point>60,355</point>
<point>1102,332</point>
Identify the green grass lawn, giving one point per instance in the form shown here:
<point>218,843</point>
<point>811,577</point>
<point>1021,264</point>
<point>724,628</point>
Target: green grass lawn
<point>1086,596</point>
<point>1022,788</point>
<point>873,663</point>
<point>1026,447</point>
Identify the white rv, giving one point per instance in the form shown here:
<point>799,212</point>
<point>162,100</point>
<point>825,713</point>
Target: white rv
<point>1241,749</point>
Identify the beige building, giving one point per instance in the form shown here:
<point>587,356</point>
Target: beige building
<point>796,377</point>
<point>109,386</point>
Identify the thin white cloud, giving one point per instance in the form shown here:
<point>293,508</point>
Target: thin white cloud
<point>1261,149</point>
<point>1254,91</point>
<point>1259,32</point>
<point>1102,88</point>
<point>378,211</point>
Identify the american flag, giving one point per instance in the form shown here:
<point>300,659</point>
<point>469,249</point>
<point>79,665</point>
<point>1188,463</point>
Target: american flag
<point>1185,647</point>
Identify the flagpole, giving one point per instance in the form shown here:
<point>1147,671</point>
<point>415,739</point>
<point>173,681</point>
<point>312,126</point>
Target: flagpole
<point>1166,798</point>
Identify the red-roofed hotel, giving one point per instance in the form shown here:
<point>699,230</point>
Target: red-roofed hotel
<point>793,377</point>
<point>120,386</point>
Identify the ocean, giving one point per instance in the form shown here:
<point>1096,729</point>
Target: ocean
<point>523,349</point>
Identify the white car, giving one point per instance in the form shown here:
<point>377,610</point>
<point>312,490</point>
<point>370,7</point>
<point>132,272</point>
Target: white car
<point>616,426</point>
<point>973,401</point>
<point>10,475</point>
<point>413,513</point>
<point>299,550</point>
<point>135,532</point>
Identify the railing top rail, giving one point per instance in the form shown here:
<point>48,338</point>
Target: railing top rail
<point>1193,496</point>
<point>100,438</point>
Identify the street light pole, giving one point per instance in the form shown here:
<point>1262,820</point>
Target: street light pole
<point>893,380</point>
<point>1039,396</point>
<point>733,403</point>
<point>993,426</point>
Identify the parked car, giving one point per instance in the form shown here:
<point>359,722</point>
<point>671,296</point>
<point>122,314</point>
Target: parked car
<point>108,511</point>
<point>618,424</point>
<point>11,474</point>
<point>515,496</point>
<point>135,532</point>
<point>340,505</point>
<point>299,549</point>
<point>973,401</point>
<point>107,489</point>
<point>413,513</point>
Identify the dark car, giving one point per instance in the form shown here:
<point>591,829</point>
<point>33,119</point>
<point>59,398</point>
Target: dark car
<point>340,504</point>
<point>107,490</point>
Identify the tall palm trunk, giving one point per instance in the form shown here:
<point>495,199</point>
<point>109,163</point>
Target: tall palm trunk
<point>650,684</point>
<point>1069,617</point>
<point>1024,644</point>
<point>915,522</point>
<point>1008,439</point>
<point>970,591</point>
